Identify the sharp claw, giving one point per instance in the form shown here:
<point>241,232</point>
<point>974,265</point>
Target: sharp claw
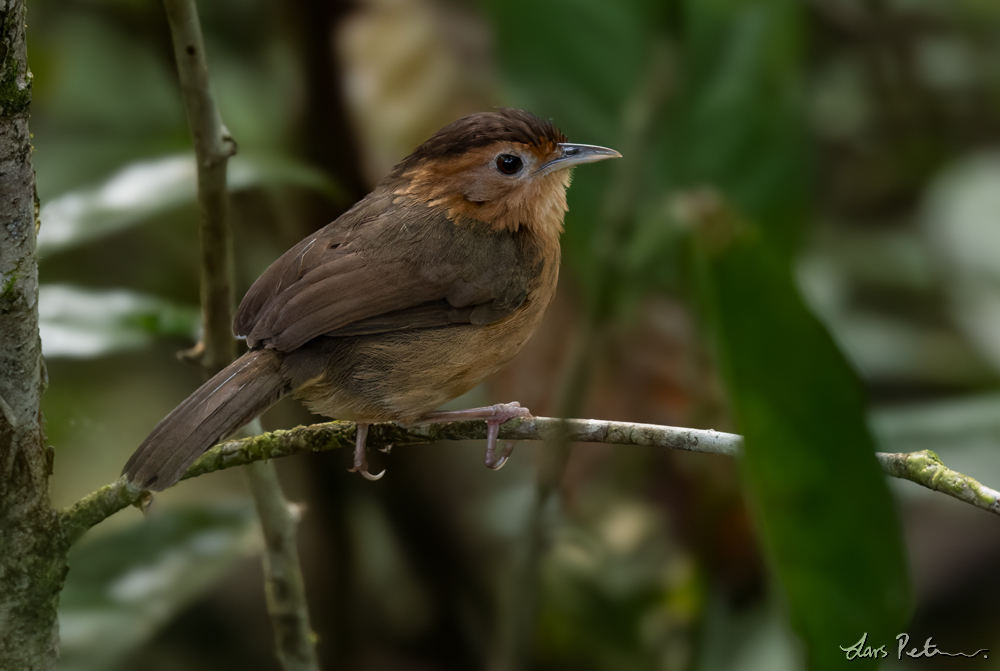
<point>362,468</point>
<point>508,449</point>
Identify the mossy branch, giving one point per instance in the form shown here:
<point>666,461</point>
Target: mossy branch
<point>923,468</point>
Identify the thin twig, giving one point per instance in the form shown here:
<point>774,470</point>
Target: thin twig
<point>284,585</point>
<point>213,147</point>
<point>923,468</point>
<point>285,588</point>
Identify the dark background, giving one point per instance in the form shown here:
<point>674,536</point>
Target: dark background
<point>860,135</point>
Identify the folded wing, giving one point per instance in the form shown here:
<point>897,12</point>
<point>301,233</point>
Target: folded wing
<point>384,267</point>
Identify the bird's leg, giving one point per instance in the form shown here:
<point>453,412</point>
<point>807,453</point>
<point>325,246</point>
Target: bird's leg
<point>495,415</point>
<point>360,453</point>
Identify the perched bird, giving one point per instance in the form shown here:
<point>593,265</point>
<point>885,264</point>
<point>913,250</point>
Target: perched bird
<point>411,298</point>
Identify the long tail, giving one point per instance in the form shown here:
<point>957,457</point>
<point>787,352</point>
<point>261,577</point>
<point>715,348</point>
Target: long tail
<point>241,391</point>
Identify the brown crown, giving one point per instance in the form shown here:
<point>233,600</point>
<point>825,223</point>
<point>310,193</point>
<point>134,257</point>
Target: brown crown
<point>478,130</point>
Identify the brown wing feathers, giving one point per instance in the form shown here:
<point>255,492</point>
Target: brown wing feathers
<point>379,270</point>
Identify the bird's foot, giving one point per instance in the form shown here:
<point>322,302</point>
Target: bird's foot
<point>495,415</point>
<point>492,461</point>
<point>361,455</point>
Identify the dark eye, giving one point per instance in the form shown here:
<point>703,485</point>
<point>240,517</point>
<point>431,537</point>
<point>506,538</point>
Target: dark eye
<point>508,164</point>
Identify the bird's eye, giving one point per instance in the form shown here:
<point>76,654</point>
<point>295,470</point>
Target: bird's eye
<point>508,164</point>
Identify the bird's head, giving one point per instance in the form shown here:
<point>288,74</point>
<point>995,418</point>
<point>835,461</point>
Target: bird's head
<point>506,168</point>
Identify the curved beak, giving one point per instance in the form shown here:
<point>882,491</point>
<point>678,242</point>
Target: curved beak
<point>577,154</point>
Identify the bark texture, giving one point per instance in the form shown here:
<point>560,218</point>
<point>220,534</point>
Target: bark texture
<point>32,548</point>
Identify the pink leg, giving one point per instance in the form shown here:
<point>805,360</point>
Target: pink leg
<point>495,415</point>
<point>360,455</point>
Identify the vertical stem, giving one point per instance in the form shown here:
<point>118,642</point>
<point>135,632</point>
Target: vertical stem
<point>285,588</point>
<point>32,549</point>
<point>213,147</point>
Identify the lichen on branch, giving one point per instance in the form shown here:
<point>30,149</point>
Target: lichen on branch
<point>923,468</point>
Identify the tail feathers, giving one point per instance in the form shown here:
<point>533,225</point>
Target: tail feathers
<point>231,399</point>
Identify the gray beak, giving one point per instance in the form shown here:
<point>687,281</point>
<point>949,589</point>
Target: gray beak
<point>577,154</point>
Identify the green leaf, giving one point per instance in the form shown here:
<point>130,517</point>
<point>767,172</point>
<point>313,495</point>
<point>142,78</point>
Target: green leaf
<point>822,505</point>
<point>124,586</point>
<point>821,501</point>
<point>738,123</point>
<point>146,188</point>
<point>80,323</point>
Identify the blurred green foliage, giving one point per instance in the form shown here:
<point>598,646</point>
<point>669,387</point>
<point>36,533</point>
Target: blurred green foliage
<point>771,147</point>
<point>840,558</point>
<point>731,117</point>
<point>125,586</point>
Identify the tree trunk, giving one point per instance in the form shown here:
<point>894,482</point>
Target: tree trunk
<point>32,550</point>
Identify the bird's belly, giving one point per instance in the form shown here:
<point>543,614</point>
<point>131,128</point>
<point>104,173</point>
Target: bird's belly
<point>403,375</point>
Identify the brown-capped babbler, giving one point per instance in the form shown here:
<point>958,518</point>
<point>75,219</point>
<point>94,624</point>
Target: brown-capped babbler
<point>420,291</point>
